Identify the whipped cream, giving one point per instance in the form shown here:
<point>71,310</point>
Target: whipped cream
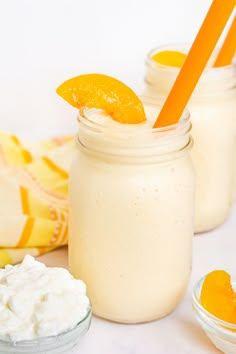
<point>37,301</point>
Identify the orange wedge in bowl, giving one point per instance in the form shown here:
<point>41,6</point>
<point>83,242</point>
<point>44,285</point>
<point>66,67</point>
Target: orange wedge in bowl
<point>103,92</point>
<point>218,297</point>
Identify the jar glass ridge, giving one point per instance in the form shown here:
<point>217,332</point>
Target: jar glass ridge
<point>122,140</point>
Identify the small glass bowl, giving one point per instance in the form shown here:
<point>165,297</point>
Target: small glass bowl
<point>65,342</point>
<point>221,333</point>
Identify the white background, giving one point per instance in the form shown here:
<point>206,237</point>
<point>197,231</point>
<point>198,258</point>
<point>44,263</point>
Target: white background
<point>44,42</point>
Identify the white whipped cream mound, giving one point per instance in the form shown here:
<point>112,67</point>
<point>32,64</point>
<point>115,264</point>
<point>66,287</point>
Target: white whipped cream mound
<point>37,301</point>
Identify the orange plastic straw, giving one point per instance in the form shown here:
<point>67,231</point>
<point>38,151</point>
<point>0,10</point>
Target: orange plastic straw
<point>226,53</point>
<point>195,62</point>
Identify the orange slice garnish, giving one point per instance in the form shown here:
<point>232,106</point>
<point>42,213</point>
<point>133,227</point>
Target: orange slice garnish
<point>103,92</point>
<point>170,58</point>
<point>218,296</point>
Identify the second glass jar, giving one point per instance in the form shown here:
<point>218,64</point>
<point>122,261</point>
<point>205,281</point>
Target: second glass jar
<point>213,116</point>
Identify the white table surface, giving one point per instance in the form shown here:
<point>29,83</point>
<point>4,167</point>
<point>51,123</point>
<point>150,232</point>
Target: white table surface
<point>178,333</point>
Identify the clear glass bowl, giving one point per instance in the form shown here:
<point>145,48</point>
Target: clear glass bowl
<point>221,333</point>
<point>65,342</point>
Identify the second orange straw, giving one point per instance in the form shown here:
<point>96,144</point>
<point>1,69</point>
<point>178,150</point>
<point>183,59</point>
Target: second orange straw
<point>227,51</point>
<point>196,61</point>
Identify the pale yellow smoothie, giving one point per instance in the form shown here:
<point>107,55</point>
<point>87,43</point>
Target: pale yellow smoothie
<point>131,215</point>
<point>213,115</point>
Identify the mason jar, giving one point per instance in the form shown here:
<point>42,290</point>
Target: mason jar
<point>131,201</point>
<point>213,116</point>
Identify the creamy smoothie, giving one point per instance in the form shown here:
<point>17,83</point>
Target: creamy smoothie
<point>131,215</point>
<point>213,116</point>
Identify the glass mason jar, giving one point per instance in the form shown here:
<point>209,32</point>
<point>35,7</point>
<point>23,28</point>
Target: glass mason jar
<point>131,215</point>
<point>213,116</point>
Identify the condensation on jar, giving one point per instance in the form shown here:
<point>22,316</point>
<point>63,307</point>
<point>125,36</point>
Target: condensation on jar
<point>213,116</point>
<point>131,215</point>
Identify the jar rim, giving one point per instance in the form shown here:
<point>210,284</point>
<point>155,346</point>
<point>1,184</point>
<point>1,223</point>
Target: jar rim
<point>157,101</point>
<point>179,46</point>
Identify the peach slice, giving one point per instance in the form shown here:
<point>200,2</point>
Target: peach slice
<point>103,92</point>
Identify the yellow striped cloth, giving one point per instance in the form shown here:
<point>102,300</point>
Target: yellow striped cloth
<point>33,196</point>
